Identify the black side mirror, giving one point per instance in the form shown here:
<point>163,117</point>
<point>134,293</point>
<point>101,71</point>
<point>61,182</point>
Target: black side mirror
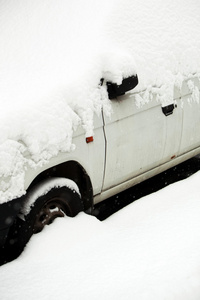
<point>127,84</point>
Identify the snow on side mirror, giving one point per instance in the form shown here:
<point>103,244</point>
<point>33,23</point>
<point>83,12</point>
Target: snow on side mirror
<point>127,84</point>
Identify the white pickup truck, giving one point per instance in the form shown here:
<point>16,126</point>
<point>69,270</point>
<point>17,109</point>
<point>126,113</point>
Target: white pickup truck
<point>138,141</point>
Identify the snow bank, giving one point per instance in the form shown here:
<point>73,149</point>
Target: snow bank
<point>53,55</point>
<point>147,251</point>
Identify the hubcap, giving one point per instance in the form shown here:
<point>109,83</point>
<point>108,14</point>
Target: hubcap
<point>55,208</point>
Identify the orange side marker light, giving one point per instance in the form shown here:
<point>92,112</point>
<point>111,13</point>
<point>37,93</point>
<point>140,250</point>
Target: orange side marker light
<point>89,139</point>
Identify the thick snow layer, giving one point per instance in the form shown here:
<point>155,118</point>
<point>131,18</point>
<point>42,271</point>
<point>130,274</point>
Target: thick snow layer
<point>53,55</point>
<point>149,250</point>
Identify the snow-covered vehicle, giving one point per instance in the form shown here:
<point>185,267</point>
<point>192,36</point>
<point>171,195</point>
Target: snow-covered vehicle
<point>81,128</point>
<point>135,143</point>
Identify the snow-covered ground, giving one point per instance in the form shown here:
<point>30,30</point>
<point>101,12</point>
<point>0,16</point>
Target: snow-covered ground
<point>148,250</point>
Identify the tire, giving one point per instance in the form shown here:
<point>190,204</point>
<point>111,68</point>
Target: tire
<point>57,202</point>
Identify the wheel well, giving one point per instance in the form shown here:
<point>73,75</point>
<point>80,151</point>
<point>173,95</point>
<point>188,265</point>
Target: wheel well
<point>74,171</point>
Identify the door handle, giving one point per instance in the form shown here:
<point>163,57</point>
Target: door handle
<point>168,110</point>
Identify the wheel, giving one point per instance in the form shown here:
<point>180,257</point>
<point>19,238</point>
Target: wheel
<point>43,209</point>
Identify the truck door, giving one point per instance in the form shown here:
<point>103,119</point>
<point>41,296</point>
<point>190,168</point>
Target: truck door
<point>138,138</point>
<point>190,104</point>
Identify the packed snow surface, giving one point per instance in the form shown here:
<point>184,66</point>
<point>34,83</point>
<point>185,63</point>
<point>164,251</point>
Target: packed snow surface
<point>53,55</point>
<point>147,251</point>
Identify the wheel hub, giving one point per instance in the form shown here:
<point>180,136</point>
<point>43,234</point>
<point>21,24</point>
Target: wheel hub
<point>48,213</point>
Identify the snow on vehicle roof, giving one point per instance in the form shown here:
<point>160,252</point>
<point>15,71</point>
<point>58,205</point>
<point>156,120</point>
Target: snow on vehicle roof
<point>54,53</point>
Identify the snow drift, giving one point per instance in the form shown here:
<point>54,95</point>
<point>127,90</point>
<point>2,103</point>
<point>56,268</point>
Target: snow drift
<point>146,251</point>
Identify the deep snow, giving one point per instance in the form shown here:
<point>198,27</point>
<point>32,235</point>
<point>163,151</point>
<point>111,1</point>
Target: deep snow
<point>53,55</point>
<point>148,250</point>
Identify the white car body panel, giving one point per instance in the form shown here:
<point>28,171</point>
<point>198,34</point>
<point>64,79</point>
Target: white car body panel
<point>138,138</point>
<point>136,143</point>
<point>91,156</point>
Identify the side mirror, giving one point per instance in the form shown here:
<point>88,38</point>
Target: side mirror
<point>127,84</point>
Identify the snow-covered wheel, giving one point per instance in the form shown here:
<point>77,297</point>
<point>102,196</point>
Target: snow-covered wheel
<point>49,200</point>
<point>58,202</point>
<point>54,206</point>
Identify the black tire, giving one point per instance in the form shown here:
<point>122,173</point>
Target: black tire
<point>58,202</point>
